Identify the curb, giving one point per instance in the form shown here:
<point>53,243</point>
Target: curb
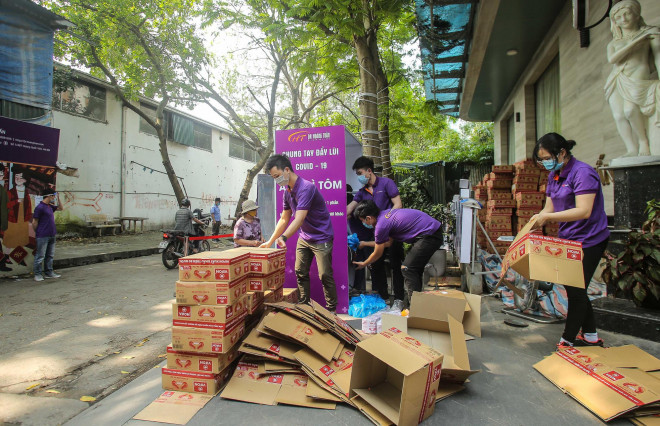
<point>103,257</point>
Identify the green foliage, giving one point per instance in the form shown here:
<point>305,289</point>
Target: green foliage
<point>635,272</point>
<point>415,195</point>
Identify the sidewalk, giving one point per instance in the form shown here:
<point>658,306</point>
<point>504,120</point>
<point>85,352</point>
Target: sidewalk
<point>88,250</point>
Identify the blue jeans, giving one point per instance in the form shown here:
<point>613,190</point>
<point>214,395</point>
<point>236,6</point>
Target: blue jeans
<point>45,249</point>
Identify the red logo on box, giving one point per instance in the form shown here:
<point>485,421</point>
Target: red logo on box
<point>216,347</point>
<point>395,330</point>
<point>613,375</point>
<point>555,251</point>
<point>237,270</point>
<point>184,311</point>
<point>275,348</point>
<point>634,387</point>
<point>202,275</point>
<point>436,372</point>
<point>206,313</point>
<point>276,378</point>
<point>179,384</point>
<point>413,341</point>
<point>222,274</point>
<point>255,266</point>
<point>205,365</point>
<point>200,386</point>
<point>574,254</point>
<point>196,344</point>
<point>221,300</point>
<point>327,370</point>
<point>200,299</point>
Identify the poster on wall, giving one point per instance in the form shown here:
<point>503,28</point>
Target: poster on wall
<point>28,153</point>
<point>319,156</point>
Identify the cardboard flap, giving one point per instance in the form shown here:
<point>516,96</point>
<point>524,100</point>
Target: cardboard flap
<point>629,356</point>
<point>369,411</point>
<point>258,392</point>
<point>429,306</point>
<point>384,398</point>
<point>314,390</point>
<point>459,347</point>
<point>392,354</point>
<point>472,320</point>
<point>173,407</point>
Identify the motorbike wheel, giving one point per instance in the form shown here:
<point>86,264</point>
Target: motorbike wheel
<point>531,291</point>
<point>205,246</point>
<point>170,260</point>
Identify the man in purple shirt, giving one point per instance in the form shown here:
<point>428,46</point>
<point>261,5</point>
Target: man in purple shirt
<point>304,202</point>
<point>43,222</point>
<point>385,194</point>
<point>405,225</point>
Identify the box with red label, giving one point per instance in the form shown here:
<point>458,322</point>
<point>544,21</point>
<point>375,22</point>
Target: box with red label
<point>200,362</point>
<point>498,212</point>
<point>255,301</point>
<point>501,176</point>
<point>543,258</point>
<point>204,337</point>
<point>291,295</point>
<point>264,261</point>
<point>503,204</point>
<point>527,212</point>
<point>498,194</point>
<point>529,199</point>
<point>500,184</point>
<point>518,179</point>
<point>212,314</point>
<point>525,187</point>
<point>499,222</point>
<point>274,296</point>
<point>502,168</point>
<point>189,381</point>
<point>266,282</point>
<point>224,266</point>
<point>211,293</point>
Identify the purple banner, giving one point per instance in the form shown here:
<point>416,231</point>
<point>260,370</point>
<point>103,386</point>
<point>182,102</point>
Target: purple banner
<point>28,143</point>
<point>319,155</point>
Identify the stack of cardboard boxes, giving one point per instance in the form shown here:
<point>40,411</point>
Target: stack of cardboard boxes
<point>208,321</point>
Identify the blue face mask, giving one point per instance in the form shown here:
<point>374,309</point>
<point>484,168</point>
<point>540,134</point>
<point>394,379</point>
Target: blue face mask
<point>366,225</point>
<point>363,179</point>
<point>552,165</point>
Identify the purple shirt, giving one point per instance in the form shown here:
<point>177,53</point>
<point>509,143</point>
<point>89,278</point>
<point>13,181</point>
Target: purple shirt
<point>382,192</point>
<point>577,178</point>
<point>45,214</point>
<point>316,228</point>
<point>243,230</point>
<point>403,225</point>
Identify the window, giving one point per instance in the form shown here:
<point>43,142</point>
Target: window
<point>239,149</point>
<point>82,99</point>
<point>179,129</point>
<point>548,112</point>
<point>202,136</point>
<point>145,127</point>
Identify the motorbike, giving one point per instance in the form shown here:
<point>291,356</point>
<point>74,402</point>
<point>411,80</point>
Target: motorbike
<point>173,245</point>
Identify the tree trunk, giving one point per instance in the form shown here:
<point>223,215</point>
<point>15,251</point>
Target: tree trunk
<point>383,87</point>
<point>368,101</point>
<point>171,175</point>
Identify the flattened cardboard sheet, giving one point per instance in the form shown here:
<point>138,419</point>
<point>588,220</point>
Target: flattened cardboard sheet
<point>173,407</point>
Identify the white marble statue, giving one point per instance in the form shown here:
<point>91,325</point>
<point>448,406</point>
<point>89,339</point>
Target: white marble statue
<point>633,88</point>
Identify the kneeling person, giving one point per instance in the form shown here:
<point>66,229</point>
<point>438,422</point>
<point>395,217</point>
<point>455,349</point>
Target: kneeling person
<point>406,225</point>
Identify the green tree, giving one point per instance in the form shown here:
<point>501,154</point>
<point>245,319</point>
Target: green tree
<point>140,48</point>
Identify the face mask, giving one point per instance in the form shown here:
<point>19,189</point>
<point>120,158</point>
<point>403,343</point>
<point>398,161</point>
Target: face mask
<point>281,180</point>
<point>363,179</point>
<point>552,165</point>
<point>366,225</point>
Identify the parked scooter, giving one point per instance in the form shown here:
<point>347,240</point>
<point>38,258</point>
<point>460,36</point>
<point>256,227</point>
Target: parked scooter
<point>173,245</point>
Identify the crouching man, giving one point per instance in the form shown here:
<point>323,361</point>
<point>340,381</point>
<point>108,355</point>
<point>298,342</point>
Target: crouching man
<point>406,225</point>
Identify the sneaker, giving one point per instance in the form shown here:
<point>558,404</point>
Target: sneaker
<point>38,278</point>
<point>581,341</point>
<point>563,345</point>
<point>53,275</point>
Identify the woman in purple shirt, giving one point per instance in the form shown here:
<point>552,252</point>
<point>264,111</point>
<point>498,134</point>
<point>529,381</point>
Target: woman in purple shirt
<point>575,201</point>
<point>247,231</point>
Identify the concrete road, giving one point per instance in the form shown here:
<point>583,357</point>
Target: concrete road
<point>85,334</point>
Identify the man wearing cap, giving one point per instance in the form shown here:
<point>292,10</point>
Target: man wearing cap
<point>247,231</point>
<point>43,222</point>
<point>304,202</point>
<point>215,216</point>
<point>409,226</point>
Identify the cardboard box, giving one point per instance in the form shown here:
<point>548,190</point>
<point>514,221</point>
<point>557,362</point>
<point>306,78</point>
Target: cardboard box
<point>525,187</point>
<point>206,338</point>
<point>449,302</point>
<point>211,293</point>
<point>265,261</point>
<point>199,362</point>
<point>173,407</point>
<point>499,211</point>
<point>609,382</point>
<point>188,381</point>
<point>271,281</point>
<point>207,314</point>
<point>500,184</point>
<point>502,204</point>
<point>397,376</point>
<point>226,266</point>
<point>539,257</point>
<point>274,296</point>
<point>498,194</point>
<point>529,199</point>
<point>290,295</point>
<point>255,301</point>
<point>518,179</point>
<point>502,168</point>
<point>527,212</point>
<point>500,176</point>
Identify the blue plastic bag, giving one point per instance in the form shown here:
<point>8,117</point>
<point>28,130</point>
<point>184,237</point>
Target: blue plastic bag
<point>365,304</point>
<point>353,242</point>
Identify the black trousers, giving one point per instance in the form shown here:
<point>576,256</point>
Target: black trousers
<point>419,255</point>
<point>216,228</point>
<point>580,313</point>
<point>379,273</point>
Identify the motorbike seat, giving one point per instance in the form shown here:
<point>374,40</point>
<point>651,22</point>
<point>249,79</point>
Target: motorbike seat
<point>175,232</point>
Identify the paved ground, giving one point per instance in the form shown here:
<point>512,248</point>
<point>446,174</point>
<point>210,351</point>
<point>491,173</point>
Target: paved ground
<point>99,327</point>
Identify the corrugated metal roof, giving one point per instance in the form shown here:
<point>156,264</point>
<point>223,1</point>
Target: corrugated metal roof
<point>445,31</point>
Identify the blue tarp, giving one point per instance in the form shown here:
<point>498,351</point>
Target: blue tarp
<point>26,60</point>
<point>444,33</point>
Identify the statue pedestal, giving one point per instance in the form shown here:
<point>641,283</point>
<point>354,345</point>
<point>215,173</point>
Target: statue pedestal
<point>634,186</point>
<point>634,161</point>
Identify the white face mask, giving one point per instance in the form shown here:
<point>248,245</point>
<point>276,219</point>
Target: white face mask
<point>282,180</point>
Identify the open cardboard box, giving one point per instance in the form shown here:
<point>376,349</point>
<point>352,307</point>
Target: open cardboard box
<point>609,382</point>
<point>432,307</point>
<point>395,378</point>
<point>543,258</point>
<point>439,330</point>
